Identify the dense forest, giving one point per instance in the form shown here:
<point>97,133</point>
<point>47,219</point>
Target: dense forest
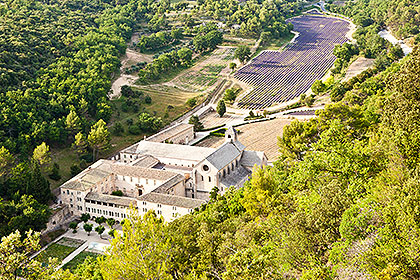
<point>402,17</point>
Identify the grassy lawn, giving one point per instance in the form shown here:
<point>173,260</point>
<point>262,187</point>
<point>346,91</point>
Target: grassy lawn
<point>55,251</point>
<point>275,44</point>
<point>79,259</point>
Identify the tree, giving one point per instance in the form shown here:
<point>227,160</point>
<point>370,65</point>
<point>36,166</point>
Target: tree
<point>185,56</point>
<point>231,94</point>
<point>88,270</point>
<point>98,138</point>
<point>24,214</point>
<point>15,261</point>
<point>100,230</point>
<point>100,220</point>
<point>38,186</point>
<point>73,226</point>
<point>221,108</point>
<point>80,144</point>
<point>265,37</point>
<point>6,162</point>
<point>318,87</point>
<point>55,172</point>
<point>110,222</point>
<point>142,252</point>
<point>73,122</point>
<point>85,217</point>
<point>88,228</point>
<point>146,122</point>
<point>232,66</point>
<point>243,53</point>
<point>41,154</point>
<point>196,122</point>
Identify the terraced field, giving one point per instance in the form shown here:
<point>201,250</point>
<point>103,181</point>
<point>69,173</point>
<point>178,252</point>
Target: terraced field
<point>278,77</point>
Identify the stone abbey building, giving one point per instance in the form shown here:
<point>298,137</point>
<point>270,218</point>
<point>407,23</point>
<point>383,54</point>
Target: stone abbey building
<point>171,179</point>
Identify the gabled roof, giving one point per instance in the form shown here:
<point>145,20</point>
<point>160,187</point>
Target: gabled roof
<point>164,150</point>
<point>145,161</point>
<point>141,172</point>
<point>223,155</point>
<point>118,200</point>
<point>172,200</point>
<point>170,132</point>
<point>250,158</point>
<point>166,186</point>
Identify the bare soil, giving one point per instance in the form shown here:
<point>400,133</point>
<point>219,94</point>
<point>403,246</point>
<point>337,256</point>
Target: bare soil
<point>361,64</point>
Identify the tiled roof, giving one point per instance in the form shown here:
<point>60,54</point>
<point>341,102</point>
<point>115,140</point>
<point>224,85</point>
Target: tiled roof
<point>170,132</point>
<point>223,155</point>
<point>169,184</point>
<point>250,158</point>
<point>145,161</point>
<point>118,200</point>
<point>175,151</point>
<point>141,172</point>
<point>172,200</point>
<point>236,178</point>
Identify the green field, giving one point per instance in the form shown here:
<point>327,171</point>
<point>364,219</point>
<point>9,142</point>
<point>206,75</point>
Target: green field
<point>55,250</point>
<point>79,259</point>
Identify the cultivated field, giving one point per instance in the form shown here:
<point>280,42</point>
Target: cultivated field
<point>213,119</point>
<point>282,76</point>
<point>206,72</point>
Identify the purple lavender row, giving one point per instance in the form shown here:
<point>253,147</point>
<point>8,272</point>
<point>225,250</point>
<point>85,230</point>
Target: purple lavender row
<point>281,76</point>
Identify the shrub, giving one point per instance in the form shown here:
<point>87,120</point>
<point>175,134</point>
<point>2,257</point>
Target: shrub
<point>55,172</point>
<point>148,99</point>
<point>75,169</point>
<point>134,129</point>
<point>191,102</point>
<point>73,226</point>
<point>117,193</point>
<point>118,129</point>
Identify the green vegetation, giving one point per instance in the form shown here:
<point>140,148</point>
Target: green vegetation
<point>196,122</point>
<point>402,17</point>
<point>221,108</point>
<point>164,63</point>
<point>80,259</point>
<point>55,250</point>
<point>243,53</point>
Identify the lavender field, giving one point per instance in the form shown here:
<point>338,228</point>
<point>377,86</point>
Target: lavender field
<point>281,76</point>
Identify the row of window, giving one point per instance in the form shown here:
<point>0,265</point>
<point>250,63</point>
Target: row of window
<point>68,192</point>
<point>101,203</point>
<point>105,212</point>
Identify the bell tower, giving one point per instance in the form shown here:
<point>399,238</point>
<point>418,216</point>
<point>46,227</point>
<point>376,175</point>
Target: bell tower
<point>231,135</point>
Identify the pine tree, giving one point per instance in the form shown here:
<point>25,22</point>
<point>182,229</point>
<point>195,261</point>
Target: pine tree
<point>98,138</point>
<point>221,108</point>
<point>38,186</point>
